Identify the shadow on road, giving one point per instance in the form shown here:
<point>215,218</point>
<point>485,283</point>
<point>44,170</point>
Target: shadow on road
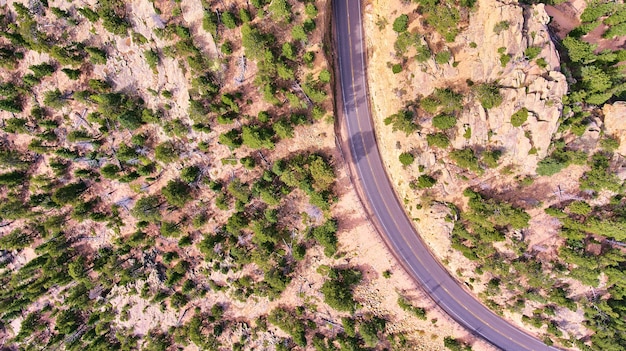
<point>362,144</point>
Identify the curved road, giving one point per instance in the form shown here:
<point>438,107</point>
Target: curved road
<point>389,215</point>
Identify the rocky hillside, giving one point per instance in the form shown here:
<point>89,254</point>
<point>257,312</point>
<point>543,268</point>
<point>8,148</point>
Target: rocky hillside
<point>505,143</point>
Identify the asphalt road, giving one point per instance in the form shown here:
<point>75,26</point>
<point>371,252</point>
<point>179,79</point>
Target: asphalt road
<point>388,214</point>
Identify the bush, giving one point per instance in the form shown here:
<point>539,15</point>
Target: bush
<point>490,158</point>
<point>166,152</point>
<point>396,68</point>
<point>177,193</point>
<point>72,74</point>
<point>466,158</point>
<point>96,56</point>
<point>425,181</point>
<point>406,158</point>
<point>609,143</point>
<point>489,95</point>
<point>42,70</point>
<point>337,290</point>
<point>326,235</point>
<point>443,57</point>
<point>190,174</point>
<point>532,51</point>
<point>54,99</point>
<point>401,23</point>
<point>229,20</point>
<point>280,10</point>
<point>438,139</point>
<point>444,121</point>
<point>550,166</point>
<point>580,208</point>
<point>501,26</point>
<point>324,76</point>
<point>519,117</point>
<point>403,121</point>
<point>423,53</point>
<point>418,312</point>
<point>455,345</point>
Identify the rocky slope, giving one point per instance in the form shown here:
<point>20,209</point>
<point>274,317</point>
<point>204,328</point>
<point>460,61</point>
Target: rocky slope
<point>476,57</point>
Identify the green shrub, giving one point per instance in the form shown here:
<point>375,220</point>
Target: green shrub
<point>580,208</point>
<point>406,158</point>
<point>229,20</point>
<point>490,158</point>
<point>532,51</point>
<point>444,121</point>
<point>166,152</point>
<point>541,62</point>
<point>443,57</point>
<point>401,23</point>
<point>423,53</point>
<point>425,181</point>
<point>609,143</point>
<point>396,68</point>
<point>97,56</point>
<point>226,48</point>
<point>501,26</point>
<point>438,139</point>
<point>466,158</point>
<point>326,236</point>
<point>177,193</point>
<point>337,290</point>
<point>519,117</point>
<point>551,165</point>
<point>72,74</point>
<point>406,305</point>
<point>310,10</point>
<point>324,76</point>
<point>488,94</point>
<point>403,121</point>
<point>280,10</point>
<point>504,59</point>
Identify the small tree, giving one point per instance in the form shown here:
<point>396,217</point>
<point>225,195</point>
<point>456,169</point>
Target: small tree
<point>425,181</point>
<point>281,10</point>
<point>147,209</point>
<point>519,117</point>
<point>444,121</point>
<point>69,193</point>
<point>579,208</point>
<point>177,193</point>
<point>403,121</point>
<point>406,158</point>
<point>229,20</point>
<point>401,23</point>
<point>466,158</point>
<point>54,99</point>
<point>489,95</point>
<point>166,152</point>
<point>190,174</point>
<point>257,137</point>
<point>438,139</point>
<point>490,158</point>
<point>443,57</point>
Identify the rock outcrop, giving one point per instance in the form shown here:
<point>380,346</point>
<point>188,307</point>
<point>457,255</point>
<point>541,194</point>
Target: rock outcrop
<point>524,83</point>
<point>615,123</point>
<point>495,29</point>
